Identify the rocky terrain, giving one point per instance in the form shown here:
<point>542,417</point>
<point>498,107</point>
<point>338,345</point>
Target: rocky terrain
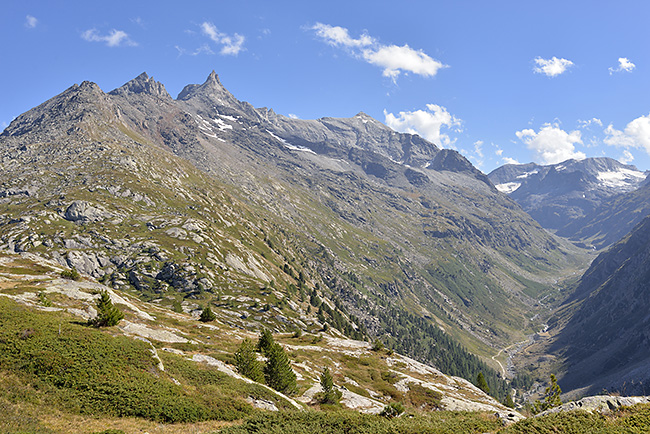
<point>205,195</point>
<point>568,196</point>
<point>35,283</point>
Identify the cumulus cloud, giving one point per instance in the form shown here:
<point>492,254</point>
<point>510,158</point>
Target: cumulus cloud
<point>635,135</point>
<point>394,59</point>
<point>426,123</point>
<point>551,67</point>
<point>114,38</point>
<point>293,116</point>
<point>624,65</point>
<point>30,22</point>
<point>552,145</point>
<point>230,44</point>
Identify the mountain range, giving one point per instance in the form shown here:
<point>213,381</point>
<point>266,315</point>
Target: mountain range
<point>337,225</point>
<point>593,202</point>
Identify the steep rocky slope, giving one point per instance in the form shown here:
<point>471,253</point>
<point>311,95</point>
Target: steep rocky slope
<point>611,220</point>
<point>605,341</point>
<point>205,197</point>
<point>180,355</point>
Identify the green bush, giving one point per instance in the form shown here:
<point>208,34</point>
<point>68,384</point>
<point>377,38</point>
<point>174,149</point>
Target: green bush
<point>392,410</point>
<point>86,371</point>
<point>350,422</point>
<point>207,315</point>
<point>71,274</point>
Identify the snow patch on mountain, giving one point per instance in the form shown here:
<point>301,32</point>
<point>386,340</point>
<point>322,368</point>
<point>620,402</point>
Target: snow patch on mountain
<point>621,178</point>
<point>508,187</point>
<point>289,145</point>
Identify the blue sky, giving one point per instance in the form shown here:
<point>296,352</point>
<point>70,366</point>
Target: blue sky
<point>500,81</point>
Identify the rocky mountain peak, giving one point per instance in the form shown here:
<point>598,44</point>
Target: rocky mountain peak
<point>211,88</point>
<point>142,84</point>
<point>213,78</point>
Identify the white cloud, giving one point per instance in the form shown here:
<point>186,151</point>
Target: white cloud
<point>426,123</point>
<point>478,148</point>
<point>624,65</point>
<point>626,158</point>
<point>499,152</point>
<point>293,116</point>
<point>30,22</point>
<point>552,145</point>
<point>392,58</point>
<point>230,45</point>
<point>635,135</point>
<point>339,36</point>
<point>395,59</point>
<point>551,67</point>
<point>592,121</point>
<point>508,160</point>
<point>114,38</point>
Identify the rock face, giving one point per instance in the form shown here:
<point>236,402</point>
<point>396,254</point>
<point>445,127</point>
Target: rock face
<point>84,212</point>
<point>605,342</point>
<point>598,404</point>
<point>565,196</point>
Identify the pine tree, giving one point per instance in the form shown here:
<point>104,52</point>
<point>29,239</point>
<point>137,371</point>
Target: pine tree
<point>247,363</point>
<point>265,342</point>
<point>327,384</point>
<point>551,397</point>
<point>277,371</point>
<point>107,314</point>
<point>481,383</point>
<point>207,315</point>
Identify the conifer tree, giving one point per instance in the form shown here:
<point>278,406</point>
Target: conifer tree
<point>265,342</point>
<point>327,384</point>
<point>551,397</point>
<point>277,371</point>
<point>481,383</point>
<point>247,363</point>
<point>207,315</point>
<point>107,314</point>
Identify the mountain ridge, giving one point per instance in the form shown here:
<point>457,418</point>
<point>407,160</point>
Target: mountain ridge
<point>568,196</point>
<point>196,199</point>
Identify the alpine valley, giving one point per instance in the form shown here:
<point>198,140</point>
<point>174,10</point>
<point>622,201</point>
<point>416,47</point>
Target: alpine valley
<point>393,263</point>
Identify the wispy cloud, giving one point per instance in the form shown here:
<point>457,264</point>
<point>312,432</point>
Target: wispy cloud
<point>114,38</point>
<point>626,158</point>
<point>203,49</point>
<point>552,145</point>
<point>30,22</point>
<point>624,65</point>
<point>590,122</point>
<point>508,160</point>
<point>635,135</point>
<point>394,59</point>
<point>230,44</point>
<point>551,67</point>
<point>426,123</point>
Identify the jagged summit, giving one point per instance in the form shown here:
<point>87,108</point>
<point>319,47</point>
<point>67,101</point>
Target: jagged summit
<point>211,88</point>
<point>143,84</point>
